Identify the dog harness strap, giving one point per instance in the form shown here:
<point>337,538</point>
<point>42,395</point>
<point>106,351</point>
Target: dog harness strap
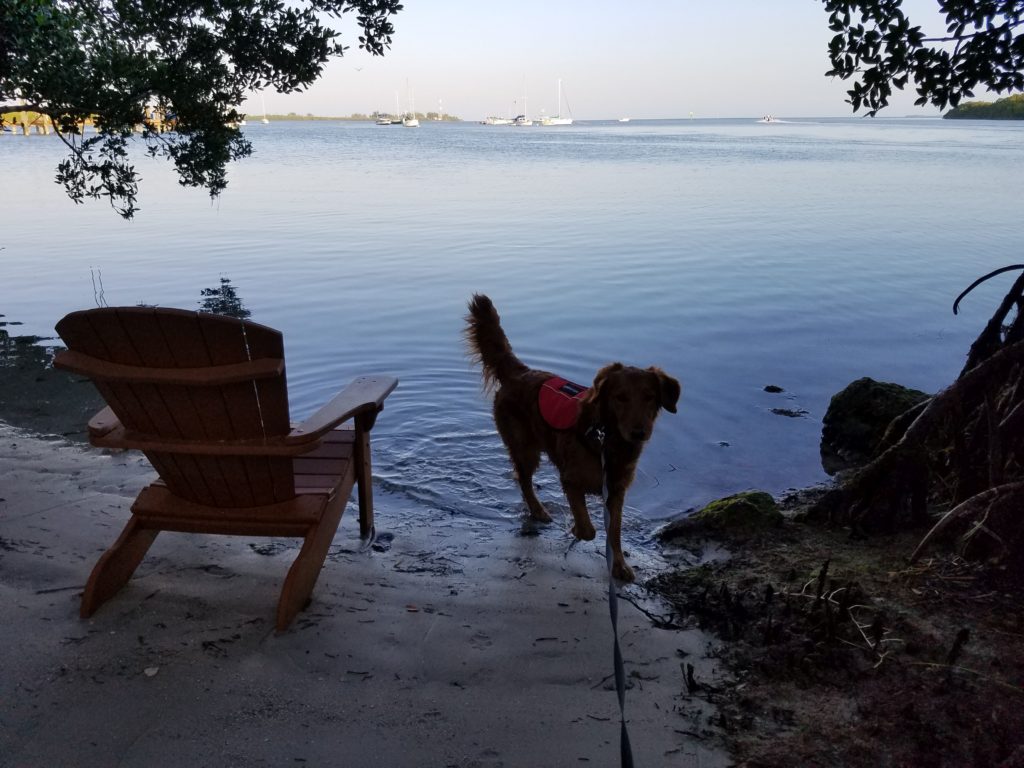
<point>625,749</point>
<point>559,401</point>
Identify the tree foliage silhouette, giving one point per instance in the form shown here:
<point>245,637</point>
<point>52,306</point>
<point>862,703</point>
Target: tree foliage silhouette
<point>132,65</point>
<point>877,47</point>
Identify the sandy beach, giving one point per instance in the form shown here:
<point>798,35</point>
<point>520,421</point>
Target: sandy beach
<point>447,643</point>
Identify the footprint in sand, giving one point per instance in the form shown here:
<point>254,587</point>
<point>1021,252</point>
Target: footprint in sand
<point>480,641</point>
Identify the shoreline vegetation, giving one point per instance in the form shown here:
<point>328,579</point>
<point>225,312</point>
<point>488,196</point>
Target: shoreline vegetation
<point>1009,108</point>
<point>836,650</point>
<point>883,608</point>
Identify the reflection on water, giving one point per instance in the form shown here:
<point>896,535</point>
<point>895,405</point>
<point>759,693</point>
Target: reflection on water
<point>730,253</point>
<point>223,300</point>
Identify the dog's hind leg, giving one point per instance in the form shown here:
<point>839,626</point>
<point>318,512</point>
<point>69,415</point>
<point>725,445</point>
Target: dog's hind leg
<point>525,455</point>
<point>525,463</point>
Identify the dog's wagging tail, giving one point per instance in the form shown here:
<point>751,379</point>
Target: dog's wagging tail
<point>488,344</point>
<point>623,402</point>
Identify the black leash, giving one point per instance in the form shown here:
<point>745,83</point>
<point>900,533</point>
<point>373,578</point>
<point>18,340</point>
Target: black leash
<point>625,750</point>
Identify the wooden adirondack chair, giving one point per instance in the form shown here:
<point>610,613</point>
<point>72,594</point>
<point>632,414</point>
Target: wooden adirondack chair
<point>204,397</point>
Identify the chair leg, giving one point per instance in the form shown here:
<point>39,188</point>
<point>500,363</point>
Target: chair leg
<point>302,576</point>
<point>364,478</point>
<point>116,566</point>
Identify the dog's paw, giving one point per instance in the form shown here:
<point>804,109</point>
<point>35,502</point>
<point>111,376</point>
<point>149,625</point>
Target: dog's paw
<point>622,571</point>
<point>584,532</point>
<point>540,514</point>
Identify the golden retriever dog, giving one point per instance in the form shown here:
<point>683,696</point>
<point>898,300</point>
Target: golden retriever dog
<point>537,412</point>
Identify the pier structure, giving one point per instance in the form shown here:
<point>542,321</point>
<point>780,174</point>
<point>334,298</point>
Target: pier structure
<point>26,123</point>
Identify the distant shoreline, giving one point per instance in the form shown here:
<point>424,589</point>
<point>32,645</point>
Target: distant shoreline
<point>254,118</point>
<point>1009,108</point>
<point>358,118</point>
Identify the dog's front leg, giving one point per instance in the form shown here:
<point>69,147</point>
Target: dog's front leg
<point>582,528</point>
<point>620,568</point>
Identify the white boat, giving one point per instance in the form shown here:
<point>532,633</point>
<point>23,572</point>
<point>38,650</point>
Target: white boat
<point>409,120</point>
<point>264,103</point>
<point>557,119</point>
<point>522,119</point>
<point>496,121</point>
<point>623,119</point>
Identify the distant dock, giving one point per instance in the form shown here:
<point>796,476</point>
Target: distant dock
<point>27,123</point>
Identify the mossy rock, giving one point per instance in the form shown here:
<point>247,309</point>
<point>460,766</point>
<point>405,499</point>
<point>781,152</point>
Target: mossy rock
<point>857,419</point>
<point>746,511</point>
<point>741,513</point>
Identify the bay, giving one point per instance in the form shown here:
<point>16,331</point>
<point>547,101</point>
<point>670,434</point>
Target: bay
<point>731,253</point>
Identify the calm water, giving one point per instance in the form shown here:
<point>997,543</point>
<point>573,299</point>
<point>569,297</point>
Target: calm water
<point>733,254</point>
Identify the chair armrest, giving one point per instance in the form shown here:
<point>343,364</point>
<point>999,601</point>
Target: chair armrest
<point>364,395</point>
<point>103,423</point>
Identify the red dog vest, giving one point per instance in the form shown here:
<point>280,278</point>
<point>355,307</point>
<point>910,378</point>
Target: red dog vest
<point>559,402</point>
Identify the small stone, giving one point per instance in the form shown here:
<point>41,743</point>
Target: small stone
<point>793,413</point>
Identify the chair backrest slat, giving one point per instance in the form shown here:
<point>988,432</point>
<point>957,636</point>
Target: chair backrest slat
<point>100,335</point>
<point>273,400</point>
<point>251,409</point>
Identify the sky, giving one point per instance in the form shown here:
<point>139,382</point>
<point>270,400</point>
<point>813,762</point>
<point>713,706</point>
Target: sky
<point>629,58</point>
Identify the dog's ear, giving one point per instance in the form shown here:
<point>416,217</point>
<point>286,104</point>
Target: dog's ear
<point>601,378</point>
<point>670,389</point>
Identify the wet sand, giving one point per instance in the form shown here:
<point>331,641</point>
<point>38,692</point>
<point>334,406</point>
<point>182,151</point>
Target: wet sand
<point>448,643</point>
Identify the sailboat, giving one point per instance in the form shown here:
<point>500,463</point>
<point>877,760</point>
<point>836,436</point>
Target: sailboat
<point>495,120</point>
<point>388,119</point>
<point>264,104</point>
<point>522,119</point>
<point>557,119</point>
<point>410,121</point>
